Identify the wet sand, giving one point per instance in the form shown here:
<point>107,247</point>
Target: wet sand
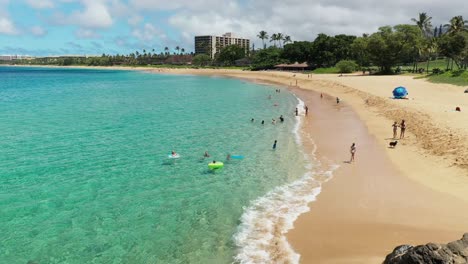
<point>369,207</point>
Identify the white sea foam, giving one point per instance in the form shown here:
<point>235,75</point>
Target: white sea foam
<point>261,234</point>
<point>297,126</point>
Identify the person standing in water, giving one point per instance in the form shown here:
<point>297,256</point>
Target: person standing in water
<point>353,151</point>
<point>395,129</point>
<point>274,144</point>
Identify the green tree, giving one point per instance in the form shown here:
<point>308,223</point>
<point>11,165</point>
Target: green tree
<point>267,58</point>
<point>455,46</point>
<point>279,38</point>
<point>298,51</point>
<point>347,66</point>
<point>359,51</point>
<point>230,54</point>
<point>390,46</point>
<point>424,24</point>
<point>263,35</point>
<point>286,40</point>
<point>273,39</point>
<point>201,60</point>
<point>457,24</point>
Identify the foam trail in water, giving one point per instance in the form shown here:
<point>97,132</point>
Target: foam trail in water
<point>261,234</point>
<point>297,126</point>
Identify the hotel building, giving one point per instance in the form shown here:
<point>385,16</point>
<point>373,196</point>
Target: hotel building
<point>211,45</point>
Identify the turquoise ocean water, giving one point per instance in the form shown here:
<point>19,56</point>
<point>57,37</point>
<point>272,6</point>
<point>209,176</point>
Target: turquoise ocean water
<point>85,178</point>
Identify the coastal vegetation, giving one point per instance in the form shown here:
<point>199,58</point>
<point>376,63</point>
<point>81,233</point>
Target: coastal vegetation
<point>418,48</point>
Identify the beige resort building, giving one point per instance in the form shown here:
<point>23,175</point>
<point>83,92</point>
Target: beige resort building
<point>211,45</point>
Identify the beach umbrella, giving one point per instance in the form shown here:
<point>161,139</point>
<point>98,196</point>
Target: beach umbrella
<point>400,92</point>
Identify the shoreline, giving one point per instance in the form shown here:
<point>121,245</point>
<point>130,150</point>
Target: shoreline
<point>410,186</point>
<point>424,178</point>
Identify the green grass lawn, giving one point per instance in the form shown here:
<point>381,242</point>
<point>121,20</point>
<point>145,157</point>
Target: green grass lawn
<point>456,78</point>
<point>333,70</point>
<point>441,64</point>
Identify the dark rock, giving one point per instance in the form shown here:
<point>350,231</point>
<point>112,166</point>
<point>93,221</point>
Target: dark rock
<point>455,252</point>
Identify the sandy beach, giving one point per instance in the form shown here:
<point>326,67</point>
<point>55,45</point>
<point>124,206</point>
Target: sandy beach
<point>413,194</point>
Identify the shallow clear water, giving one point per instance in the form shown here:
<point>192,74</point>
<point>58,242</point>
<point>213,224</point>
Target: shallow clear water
<point>84,173</point>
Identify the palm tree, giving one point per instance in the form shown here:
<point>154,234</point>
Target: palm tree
<point>273,38</point>
<point>263,35</point>
<point>457,24</point>
<point>424,24</point>
<point>279,38</point>
<point>286,40</point>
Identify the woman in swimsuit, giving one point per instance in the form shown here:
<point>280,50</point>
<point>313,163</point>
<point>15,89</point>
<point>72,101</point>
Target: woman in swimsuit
<point>352,150</point>
<point>395,129</point>
<point>402,129</point>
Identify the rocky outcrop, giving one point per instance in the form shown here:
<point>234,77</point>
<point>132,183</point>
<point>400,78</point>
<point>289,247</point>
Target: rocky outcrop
<point>455,252</point>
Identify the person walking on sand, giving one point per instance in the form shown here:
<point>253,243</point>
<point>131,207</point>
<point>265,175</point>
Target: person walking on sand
<point>402,129</point>
<point>274,144</point>
<point>353,151</point>
<point>395,129</point>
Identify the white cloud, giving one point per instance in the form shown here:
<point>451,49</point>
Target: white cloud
<point>40,4</point>
<point>302,20</point>
<point>86,34</point>
<point>38,31</point>
<point>7,27</point>
<point>176,4</point>
<point>135,20</point>
<point>95,15</point>
<point>148,33</point>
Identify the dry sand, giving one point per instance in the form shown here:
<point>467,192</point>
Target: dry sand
<point>415,193</point>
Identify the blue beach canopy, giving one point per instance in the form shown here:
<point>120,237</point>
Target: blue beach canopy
<point>400,92</point>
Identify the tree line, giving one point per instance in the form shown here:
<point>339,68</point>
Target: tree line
<point>385,49</point>
<point>390,46</point>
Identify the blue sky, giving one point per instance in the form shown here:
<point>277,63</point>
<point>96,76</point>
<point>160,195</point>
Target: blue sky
<point>54,27</point>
